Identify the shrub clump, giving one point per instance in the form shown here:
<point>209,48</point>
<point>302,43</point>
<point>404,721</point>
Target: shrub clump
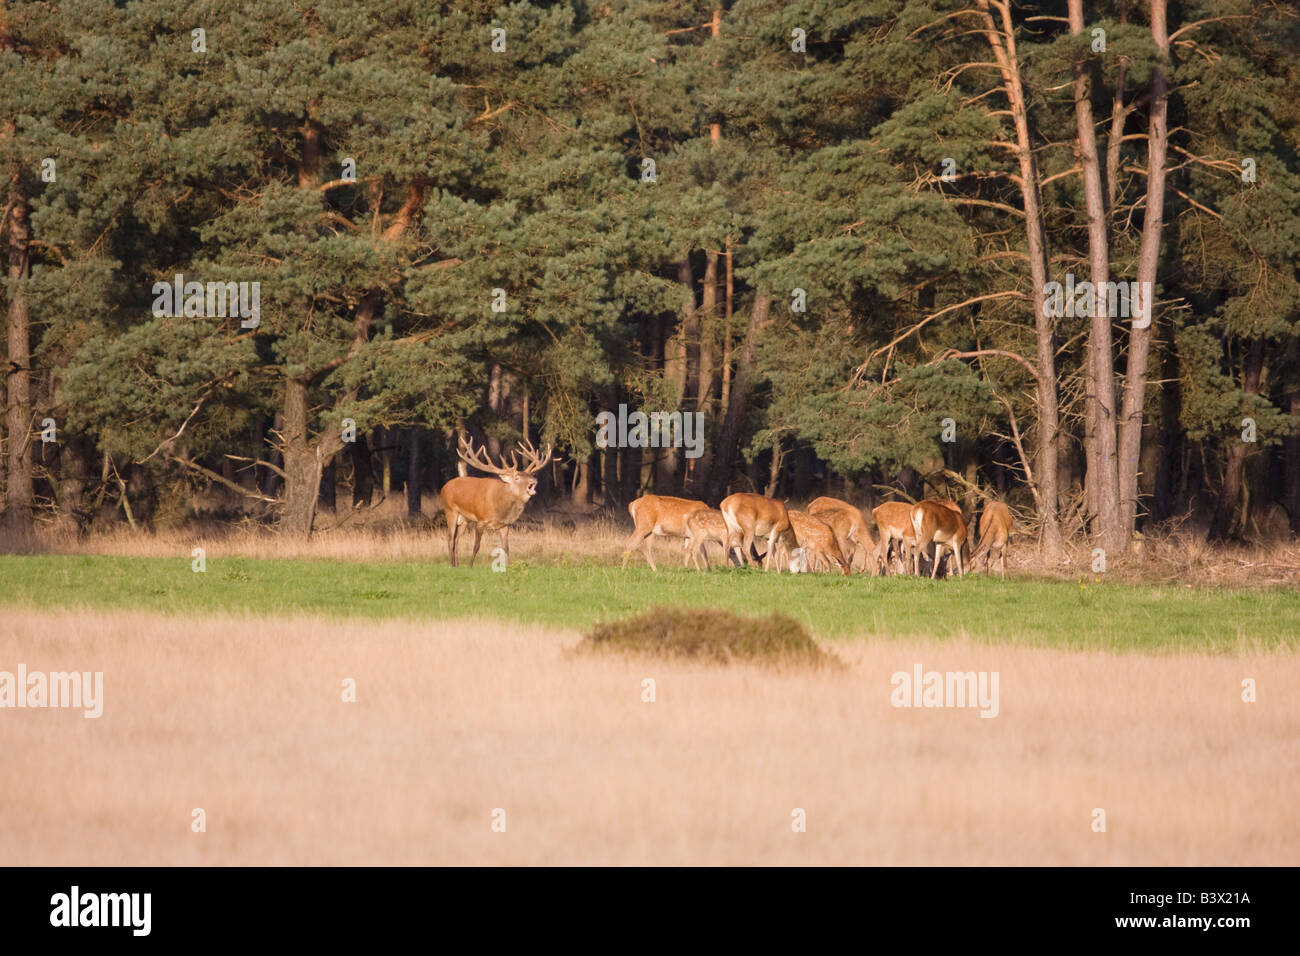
<point>711,635</point>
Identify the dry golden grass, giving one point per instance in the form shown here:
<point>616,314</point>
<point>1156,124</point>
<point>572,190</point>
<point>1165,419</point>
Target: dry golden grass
<point>243,717</point>
<point>586,539</point>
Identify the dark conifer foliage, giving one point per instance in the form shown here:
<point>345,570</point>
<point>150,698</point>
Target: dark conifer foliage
<point>834,229</point>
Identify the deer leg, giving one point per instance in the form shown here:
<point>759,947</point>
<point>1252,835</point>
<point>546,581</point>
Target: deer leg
<point>632,544</point>
<point>731,550</point>
<point>505,542</point>
<point>478,539</point>
<point>699,551</point>
<point>453,529</point>
<point>645,547</point>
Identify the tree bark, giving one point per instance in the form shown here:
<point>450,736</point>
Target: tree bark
<point>1230,494</point>
<point>691,325</point>
<point>729,298</point>
<point>710,367</point>
<point>363,480</point>
<point>18,413</point>
<point>271,480</point>
<point>496,404</point>
<point>413,485</point>
<point>328,487</point>
<point>741,389</point>
<point>1102,477</point>
<point>609,480</point>
<point>1291,444</point>
<point>303,458</point>
<point>580,490</point>
<point>1139,345</point>
<point>1002,41</point>
<point>1169,439</point>
<point>302,467</point>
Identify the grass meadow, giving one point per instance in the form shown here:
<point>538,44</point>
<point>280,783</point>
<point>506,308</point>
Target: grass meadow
<point>1119,692</point>
<point>1087,613</point>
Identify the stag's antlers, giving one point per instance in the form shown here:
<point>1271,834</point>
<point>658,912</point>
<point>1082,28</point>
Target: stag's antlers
<point>533,461</point>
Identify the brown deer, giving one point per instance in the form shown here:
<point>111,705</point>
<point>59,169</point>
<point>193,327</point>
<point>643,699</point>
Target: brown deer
<point>817,544</point>
<point>994,532</point>
<point>894,522</point>
<point>702,527</point>
<point>749,516</point>
<point>661,516</point>
<point>939,521</point>
<point>854,532</point>
<point>492,504</point>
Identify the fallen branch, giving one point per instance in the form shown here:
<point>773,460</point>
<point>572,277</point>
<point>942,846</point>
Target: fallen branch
<point>222,479</point>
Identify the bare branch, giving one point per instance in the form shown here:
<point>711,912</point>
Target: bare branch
<point>861,370</point>
<point>954,354</point>
<point>221,479</point>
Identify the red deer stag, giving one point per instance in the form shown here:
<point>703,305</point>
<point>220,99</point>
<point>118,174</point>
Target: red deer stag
<point>492,504</point>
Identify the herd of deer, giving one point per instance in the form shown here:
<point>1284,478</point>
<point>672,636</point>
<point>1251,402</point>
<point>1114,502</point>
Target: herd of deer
<point>830,534</point>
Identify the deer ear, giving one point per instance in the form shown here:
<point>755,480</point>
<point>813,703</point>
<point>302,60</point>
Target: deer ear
<point>505,478</point>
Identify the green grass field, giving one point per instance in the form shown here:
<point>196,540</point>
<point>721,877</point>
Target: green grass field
<point>1089,614</point>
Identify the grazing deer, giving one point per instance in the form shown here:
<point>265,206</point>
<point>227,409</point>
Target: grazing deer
<point>941,522</point>
<point>702,527</point>
<point>749,516</point>
<point>492,504</point>
<point>994,532</point>
<point>659,515</point>
<point>818,544</point>
<point>853,533</point>
<point>894,522</point>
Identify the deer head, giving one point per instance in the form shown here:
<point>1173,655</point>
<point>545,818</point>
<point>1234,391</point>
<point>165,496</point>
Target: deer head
<point>517,475</point>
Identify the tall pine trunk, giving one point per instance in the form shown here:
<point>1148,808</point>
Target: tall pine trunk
<point>413,486</point>
<point>1002,40</point>
<point>18,413</point>
<point>1103,476</point>
<point>302,467</point>
<point>738,407</point>
<point>1291,443</point>
<point>1230,495</point>
<point>1139,347</point>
